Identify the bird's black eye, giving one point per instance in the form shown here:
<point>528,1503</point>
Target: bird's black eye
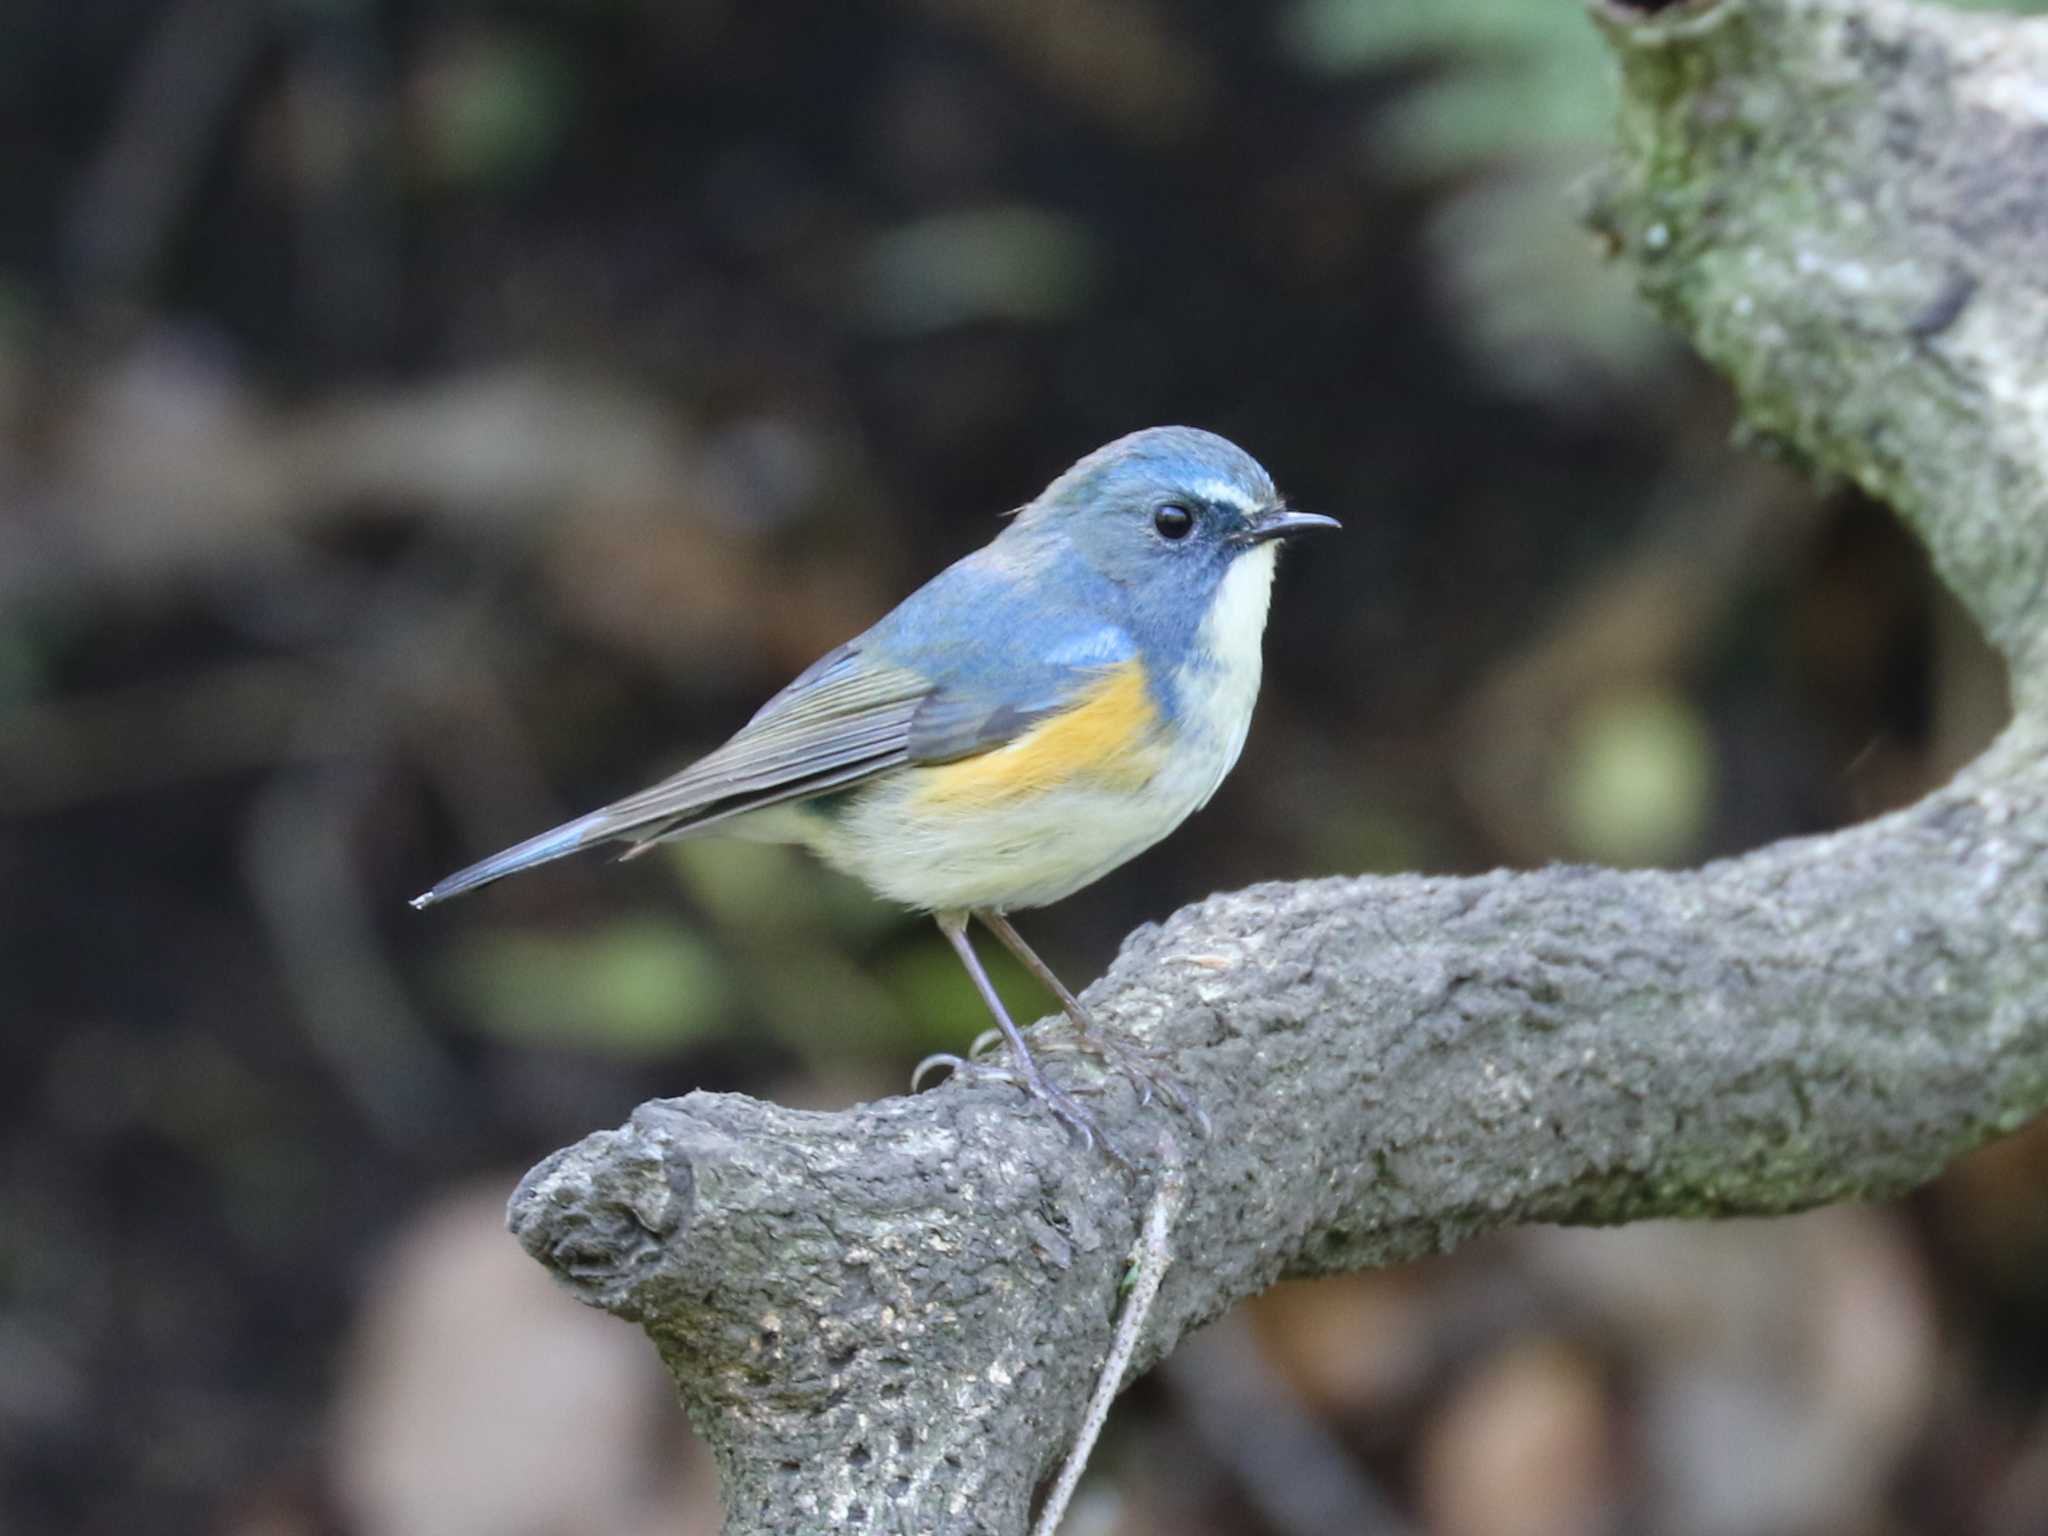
<point>1173,520</point>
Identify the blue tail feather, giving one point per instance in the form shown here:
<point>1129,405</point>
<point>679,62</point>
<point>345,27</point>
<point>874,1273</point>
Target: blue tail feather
<point>557,843</point>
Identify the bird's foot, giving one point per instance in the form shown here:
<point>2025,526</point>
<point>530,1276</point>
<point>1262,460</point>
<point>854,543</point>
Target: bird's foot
<point>1143,1068</point>
<point>1079,1120</point>
<point>976,1060</point>
<point>1076,1118</point>
<point>958,1066</point>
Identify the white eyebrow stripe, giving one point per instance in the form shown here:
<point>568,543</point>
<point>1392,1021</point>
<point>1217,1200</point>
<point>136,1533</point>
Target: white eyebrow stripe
<point>1224,492</point>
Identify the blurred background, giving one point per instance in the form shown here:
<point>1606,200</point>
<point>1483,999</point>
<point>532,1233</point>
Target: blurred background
<point>421,422</point>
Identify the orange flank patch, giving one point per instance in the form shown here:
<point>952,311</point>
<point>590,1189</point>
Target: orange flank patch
<point>1105,739</point>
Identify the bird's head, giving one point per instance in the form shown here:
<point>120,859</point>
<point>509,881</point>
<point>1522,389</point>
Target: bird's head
<point>1184,521</point>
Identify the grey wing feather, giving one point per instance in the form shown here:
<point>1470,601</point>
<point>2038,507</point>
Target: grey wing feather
<point>950,725</point>
<point>840,714</point>
<point>845,719</point>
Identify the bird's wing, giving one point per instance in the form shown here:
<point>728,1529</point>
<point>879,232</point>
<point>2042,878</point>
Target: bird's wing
<point>953,723</point>
<point>874,704</point>
<point>844,719</point>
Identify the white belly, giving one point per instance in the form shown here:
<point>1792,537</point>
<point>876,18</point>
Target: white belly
<point>1023,853</point>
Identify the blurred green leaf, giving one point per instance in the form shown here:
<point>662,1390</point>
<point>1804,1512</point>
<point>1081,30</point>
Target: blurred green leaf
<point>1638,778</point>
<point>1347,35</point>
<point>766,887</point>
<point>1509,102</point>
<point>747,885</point>
<point>1503,77</point>
<point>824,1007</point>
<point>495,110</point>
<point>1000,263</point>
<point>1534,298</point>
<point>632,988</point>
<point>1465,118</point>
<point>1370,837</point>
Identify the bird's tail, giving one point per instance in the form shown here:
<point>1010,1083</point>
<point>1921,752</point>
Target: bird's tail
<point>706,795</point>
<point>555,844</point>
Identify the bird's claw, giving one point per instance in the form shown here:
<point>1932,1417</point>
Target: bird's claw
<point>1073,1117</point>
<point>959,1066</point>
<point>1078,1121</point>
<point>1144,1071</point>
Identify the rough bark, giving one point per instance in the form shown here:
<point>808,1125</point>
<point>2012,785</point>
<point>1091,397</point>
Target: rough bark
<point>889,1318</point>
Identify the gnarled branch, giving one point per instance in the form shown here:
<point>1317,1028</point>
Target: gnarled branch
<point>889,1318</point>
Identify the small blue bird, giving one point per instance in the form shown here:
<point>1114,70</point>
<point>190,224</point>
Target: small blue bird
<point>1036,714</point>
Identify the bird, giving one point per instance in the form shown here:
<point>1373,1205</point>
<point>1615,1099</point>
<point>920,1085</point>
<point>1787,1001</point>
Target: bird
<point>1034,716</point>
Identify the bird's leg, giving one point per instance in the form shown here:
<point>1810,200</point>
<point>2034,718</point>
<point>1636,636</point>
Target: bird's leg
<point>1147,1075</point>
<point>1063,1106</point>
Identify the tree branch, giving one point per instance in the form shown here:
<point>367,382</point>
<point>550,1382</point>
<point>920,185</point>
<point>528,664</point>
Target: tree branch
<point>889,1318</point>
<point>1843,206</point>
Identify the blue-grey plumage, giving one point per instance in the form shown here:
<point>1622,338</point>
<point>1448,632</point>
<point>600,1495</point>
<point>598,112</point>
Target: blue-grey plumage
<point>1032,717</point>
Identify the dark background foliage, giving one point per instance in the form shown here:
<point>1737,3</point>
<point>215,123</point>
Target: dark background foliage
<point>421,422</point>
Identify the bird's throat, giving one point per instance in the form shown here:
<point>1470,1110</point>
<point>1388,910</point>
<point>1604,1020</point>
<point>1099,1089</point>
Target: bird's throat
<point>1236,621</point>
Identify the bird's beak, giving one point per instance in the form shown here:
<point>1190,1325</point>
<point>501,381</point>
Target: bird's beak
<point>1283,523</point>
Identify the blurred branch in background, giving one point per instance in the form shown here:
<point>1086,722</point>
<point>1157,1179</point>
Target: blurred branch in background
<point>168,127</point>
<point>1300,1477</point>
